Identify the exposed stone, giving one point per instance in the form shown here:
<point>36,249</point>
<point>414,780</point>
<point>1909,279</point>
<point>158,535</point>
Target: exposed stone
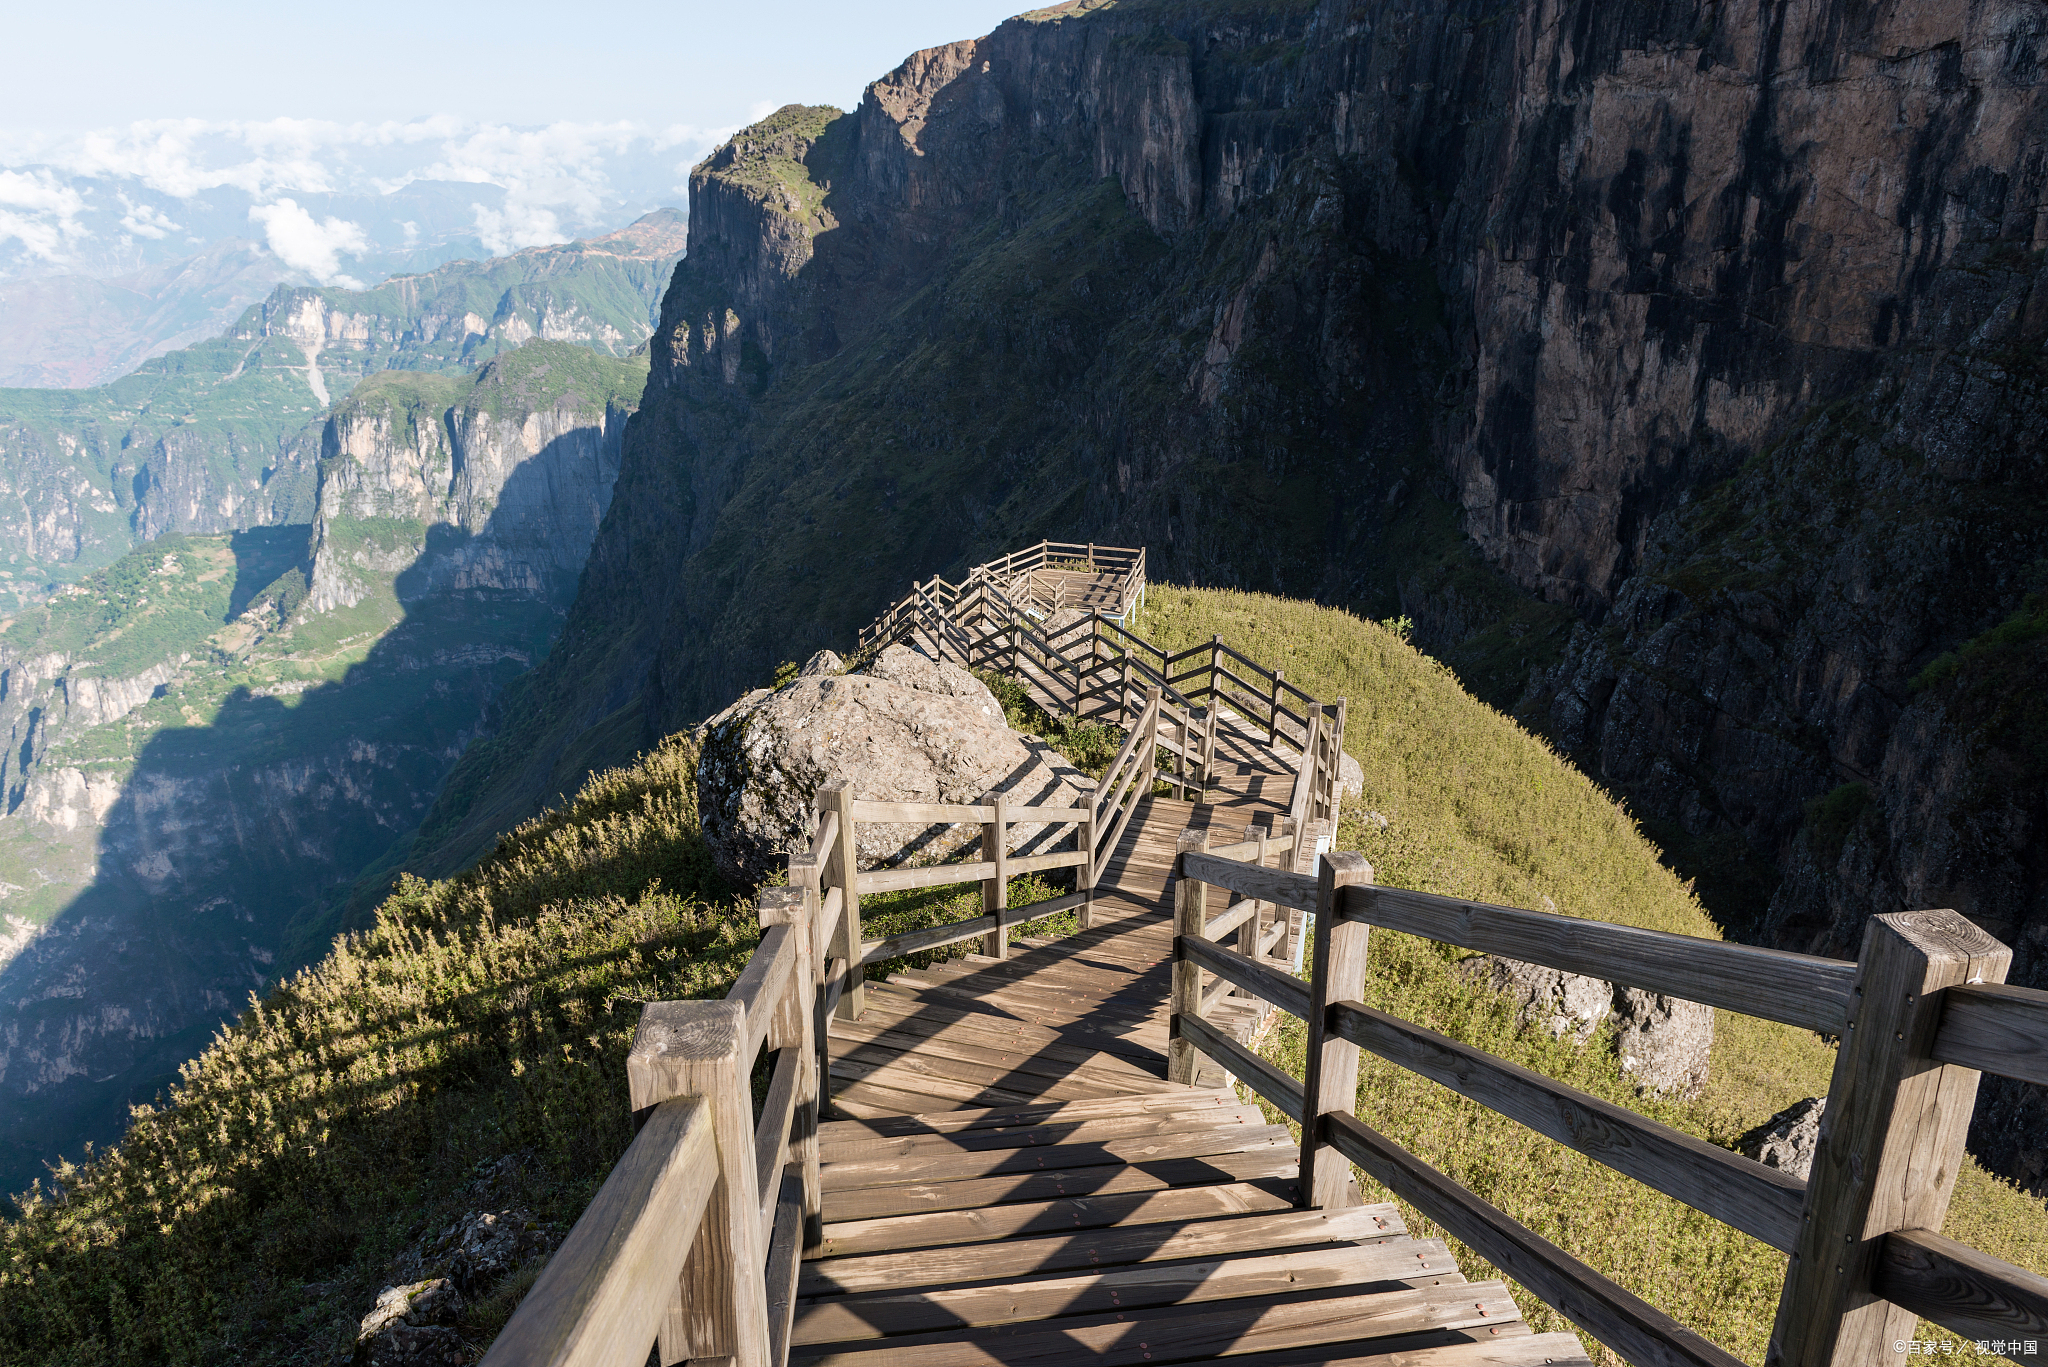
<point>1787,1140</point>
<point>907,729</point>
<point>822,664</point>
<point>404,1327</point>
<point>484,1247</point>
<point>1663,1043</point>
<point>1556,1002</point>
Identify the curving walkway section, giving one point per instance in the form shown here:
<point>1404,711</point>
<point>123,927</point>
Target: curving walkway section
<point>1012,1179</point>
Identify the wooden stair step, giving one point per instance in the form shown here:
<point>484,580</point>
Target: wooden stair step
<point>855,1053</point>
<point>938,1003</point>
<point>1036,1012</point>
<point>942,1021</point>
<point>1046,997</point>
<point>879,1313</point>
<point>902,1006</point>
<point>1116,1245</point>
<point>968,1163</point>
<point>889,1093</point>
<point>1098,1179</point>
<point>948,1122</point>
<point>995,1053</point>
<point>1177,1334</point>
<point>1060,1216</point>
<point>1499,1345</point>
<point>1206,1112</point>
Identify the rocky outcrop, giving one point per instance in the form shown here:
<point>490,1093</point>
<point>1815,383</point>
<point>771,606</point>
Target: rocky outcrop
<point>408,1327</point>
<point>1663,1044</point>
<point>906,729</point>
<point>1789,1139</point>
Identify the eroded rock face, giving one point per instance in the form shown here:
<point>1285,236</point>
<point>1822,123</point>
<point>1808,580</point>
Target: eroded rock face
<point>1663,1043</point>
<point>1789,1139</point>
<point>907,729</point>
<point>1548,999</point>
<point>407,1328</point>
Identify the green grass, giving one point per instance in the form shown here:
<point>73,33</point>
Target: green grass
<point>1476,807</point>
<point>250,1218</point>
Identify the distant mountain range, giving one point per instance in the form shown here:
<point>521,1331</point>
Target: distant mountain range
<point>224,434</point>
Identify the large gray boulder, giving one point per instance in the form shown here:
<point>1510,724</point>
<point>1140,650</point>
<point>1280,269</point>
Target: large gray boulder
<point>906,729</point>
<point>1663,1043</point>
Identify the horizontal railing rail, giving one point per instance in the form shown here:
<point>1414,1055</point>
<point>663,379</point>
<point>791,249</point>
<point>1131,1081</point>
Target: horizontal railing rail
<point>1920,1014</point>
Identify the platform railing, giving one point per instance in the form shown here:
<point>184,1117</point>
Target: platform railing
<point>1919,1015</point>
<point>693,1241</point>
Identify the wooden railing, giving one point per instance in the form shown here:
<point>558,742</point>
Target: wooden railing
<point>1027,578</point>
<point>1919,1015</point>
<point>1096,668</point>
<point>832,874</point>
<point>693,1240</point>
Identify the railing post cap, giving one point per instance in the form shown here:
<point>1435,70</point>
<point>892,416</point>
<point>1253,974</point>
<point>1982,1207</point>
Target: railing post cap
<point>1941,934</point>
<point>1340,867</point>
<point>1193,840</point>
<point>782,907</point>
<point>689,1031</point>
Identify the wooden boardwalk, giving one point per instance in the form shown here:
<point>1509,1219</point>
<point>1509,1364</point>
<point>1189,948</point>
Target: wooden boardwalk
<point>1013,1179</point>
<point>1037,1161</point>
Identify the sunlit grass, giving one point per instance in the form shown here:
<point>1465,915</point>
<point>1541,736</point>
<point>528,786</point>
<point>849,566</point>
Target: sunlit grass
<point>1476,807</point>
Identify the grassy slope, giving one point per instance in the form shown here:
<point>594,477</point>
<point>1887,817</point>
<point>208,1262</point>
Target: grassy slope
<point>1476,807</point>
<point>253,1218</point>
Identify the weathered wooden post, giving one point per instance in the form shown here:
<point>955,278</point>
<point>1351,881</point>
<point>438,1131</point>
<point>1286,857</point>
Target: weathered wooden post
<point>1190,917</point>
<point>695,1048</point>
<point>1331,1083</point>
<point>995,890</point>
<point>1210,721</point>
<point>1891,1141</point>
<point>1155,703</point>
<point>793,1028</point>
<point>807,876</point>
<point>1123,696</point>
<point>1248,933</point>
<point>846,940</point>
<point>1084,876</point>
<point>1273,730</point>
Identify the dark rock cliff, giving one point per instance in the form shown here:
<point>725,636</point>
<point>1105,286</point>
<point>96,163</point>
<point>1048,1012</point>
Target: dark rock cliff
<point>1705,334</point>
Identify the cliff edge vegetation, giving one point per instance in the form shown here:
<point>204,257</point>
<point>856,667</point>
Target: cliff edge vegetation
<point>469,1048</point>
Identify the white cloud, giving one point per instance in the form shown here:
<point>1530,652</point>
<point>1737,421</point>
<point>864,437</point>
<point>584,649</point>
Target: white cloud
<point>146,220</point>
<point>41,213</point>
<point>315,247</point>
<point>104,201</point>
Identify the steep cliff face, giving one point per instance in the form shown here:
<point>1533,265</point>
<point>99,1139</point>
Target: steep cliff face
<point>1458,311</point>
<point>209,742</point>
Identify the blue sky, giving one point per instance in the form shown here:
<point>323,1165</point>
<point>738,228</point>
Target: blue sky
<point>81,67</point>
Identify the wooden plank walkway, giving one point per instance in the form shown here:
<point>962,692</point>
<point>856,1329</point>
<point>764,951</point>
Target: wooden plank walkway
<point>1014,1181</point>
